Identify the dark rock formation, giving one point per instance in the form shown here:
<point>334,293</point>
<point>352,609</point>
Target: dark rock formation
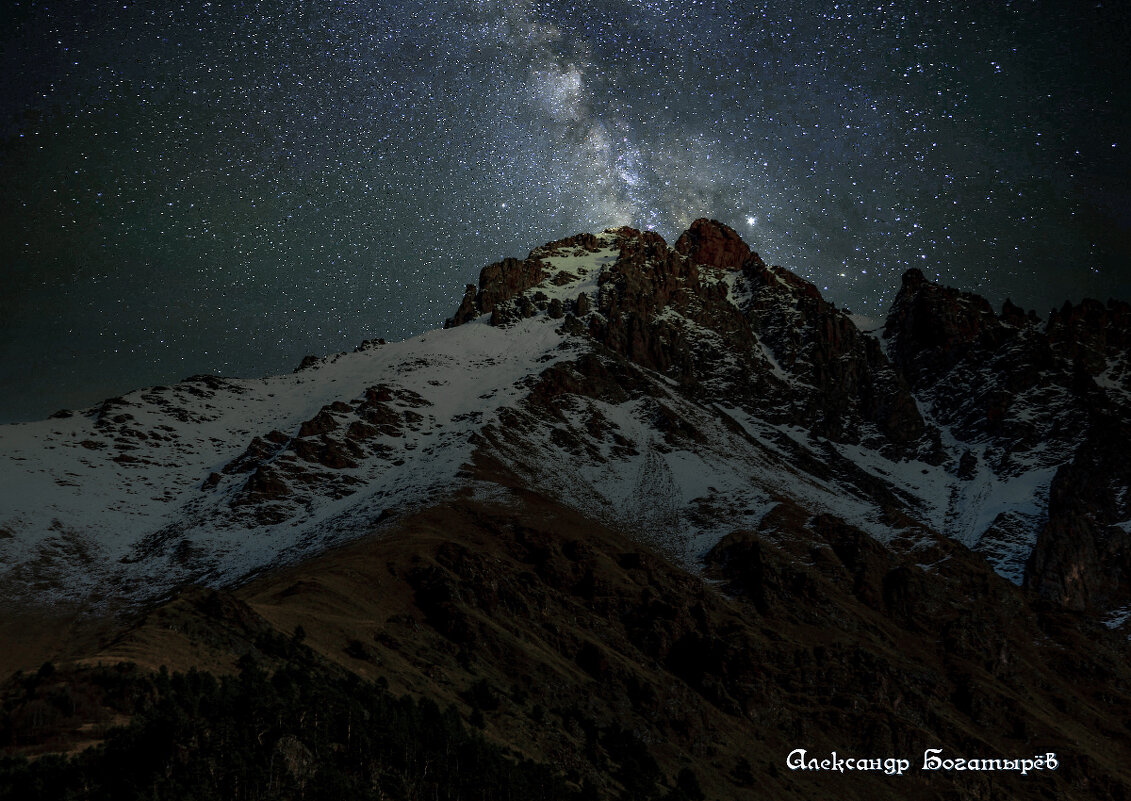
<point>675,311</point>
<point>258,451</point>
<point>932,328</point>
<point>846,378</point>
<point>714,244</point>
<point>649,278</point>
<point>498,282</point>
<point>1029,396</point>
<point>1091,333</point>
<point>1082,558</point>
<point>508,279</point>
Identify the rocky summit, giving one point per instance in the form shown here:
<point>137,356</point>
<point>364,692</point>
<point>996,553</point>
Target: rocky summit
<point>648,518</point>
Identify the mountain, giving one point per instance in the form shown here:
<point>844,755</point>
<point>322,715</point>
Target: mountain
<point>632,488</point>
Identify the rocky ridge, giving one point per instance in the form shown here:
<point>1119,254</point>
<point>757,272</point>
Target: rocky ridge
<point>1021,397</point>
<point>1017,402</point>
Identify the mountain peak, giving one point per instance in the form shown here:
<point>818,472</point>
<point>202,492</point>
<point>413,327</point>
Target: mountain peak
<point>932,327</point>
<point>913,279</point>
<point>712,243</point>
<point>708,243</point>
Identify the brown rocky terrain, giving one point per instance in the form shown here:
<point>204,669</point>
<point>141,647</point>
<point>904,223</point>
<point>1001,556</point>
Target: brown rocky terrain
<point>558,630</point>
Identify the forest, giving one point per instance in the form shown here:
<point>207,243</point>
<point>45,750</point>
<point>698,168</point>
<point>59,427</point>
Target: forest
<point>287,727</point>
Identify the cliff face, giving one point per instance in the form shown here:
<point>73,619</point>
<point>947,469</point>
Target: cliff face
<point>1049,397</point>
<point>710,314</point>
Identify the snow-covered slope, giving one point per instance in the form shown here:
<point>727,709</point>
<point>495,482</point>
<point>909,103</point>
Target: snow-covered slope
<point>212,478</point>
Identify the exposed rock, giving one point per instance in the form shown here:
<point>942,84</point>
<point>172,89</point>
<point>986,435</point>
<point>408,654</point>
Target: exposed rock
<point>847,378</point>
<point>712,243</point>
<point>1082,558</point>
<point>324,451</point>
<point>307,361</point>
<point>278,437</point>
<point>1014,315</point>
<point>264,484</point>
<point>359,430</point>
<point>258,451</point>
<point>655,302</point>
<point>932,328</point>
<point>369,344</point>
<point>322,423</point>
<point>1029,398</point>
<point>468,309</point>
<point>498,282</point>
<point>378,394</point>
<point>1091,333</point>
<point>646,278</point>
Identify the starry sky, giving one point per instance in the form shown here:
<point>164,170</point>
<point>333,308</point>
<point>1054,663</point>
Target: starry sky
<point>225,187</point>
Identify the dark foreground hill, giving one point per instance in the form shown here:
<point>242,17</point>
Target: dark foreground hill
<point>563,644</point>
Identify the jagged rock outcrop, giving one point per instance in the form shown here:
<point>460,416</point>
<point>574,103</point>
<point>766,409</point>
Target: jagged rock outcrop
<point>1082,557</point>
<point>511,277</point>
<point>842,377</point>
<point>712,243</point>
<point>710,314</point>
<point>1032,399</point>
<point>1004,376</point>
<point>1096,336</point>
<point>931,328</point>
<point>649,279</point>
<point>947,344</point>
<point>497,282</point>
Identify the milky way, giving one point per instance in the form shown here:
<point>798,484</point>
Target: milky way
<point>219,187</point>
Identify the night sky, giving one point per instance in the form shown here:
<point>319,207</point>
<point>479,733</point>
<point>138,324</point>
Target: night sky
<point>225,187</point>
